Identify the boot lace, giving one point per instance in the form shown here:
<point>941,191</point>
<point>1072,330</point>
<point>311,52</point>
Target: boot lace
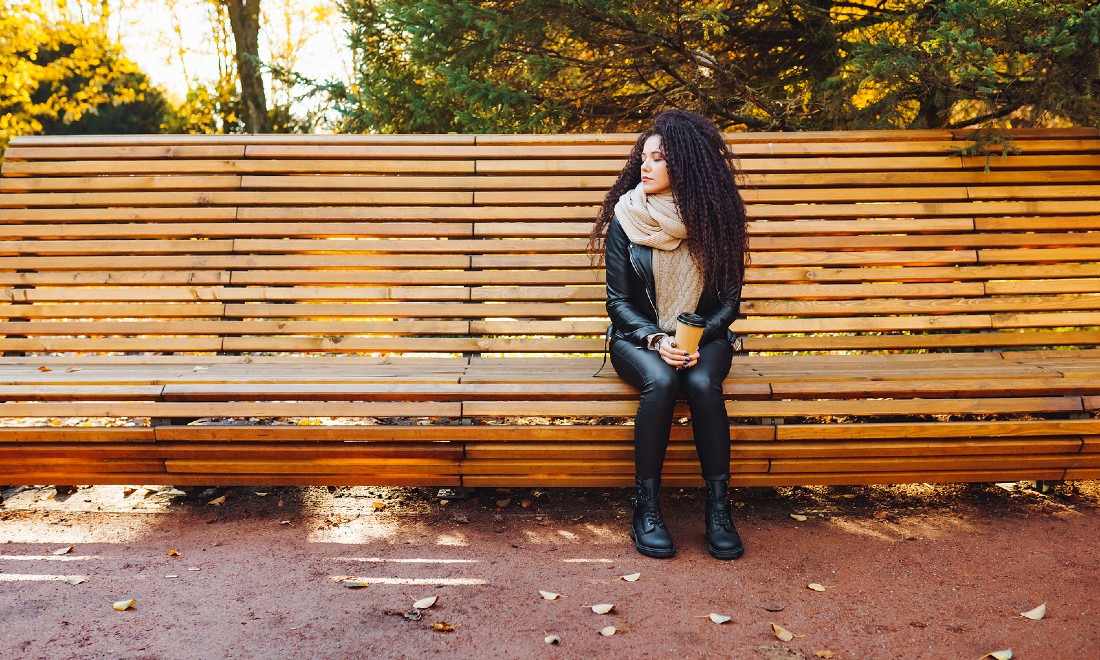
<point>719,517</point>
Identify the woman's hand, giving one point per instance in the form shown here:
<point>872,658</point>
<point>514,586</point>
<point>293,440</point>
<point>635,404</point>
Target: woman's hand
<point>675,357</point>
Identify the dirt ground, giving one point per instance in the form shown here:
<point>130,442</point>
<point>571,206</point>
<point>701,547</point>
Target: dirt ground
<point>915,571</point>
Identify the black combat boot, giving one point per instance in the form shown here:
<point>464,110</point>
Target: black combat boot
<point>648,529</point>
<point>723,542</point>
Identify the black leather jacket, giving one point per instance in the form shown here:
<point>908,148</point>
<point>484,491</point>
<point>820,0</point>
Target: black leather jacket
<point>632,296</point>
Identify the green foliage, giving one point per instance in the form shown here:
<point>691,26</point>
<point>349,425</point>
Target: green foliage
<point>598,65</point>
<point>973,62</point>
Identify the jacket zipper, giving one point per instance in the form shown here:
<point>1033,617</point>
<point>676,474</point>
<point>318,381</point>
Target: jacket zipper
<point>645,283</point>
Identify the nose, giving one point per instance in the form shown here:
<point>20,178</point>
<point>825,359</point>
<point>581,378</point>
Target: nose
<point>647,165</point>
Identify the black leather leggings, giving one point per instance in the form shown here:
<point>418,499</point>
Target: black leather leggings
<point>660,386</point>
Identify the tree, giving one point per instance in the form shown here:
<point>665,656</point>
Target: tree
<point>59,75</point>
<point>588,65</point>
<point>244,19</point>
<point>971,62</point>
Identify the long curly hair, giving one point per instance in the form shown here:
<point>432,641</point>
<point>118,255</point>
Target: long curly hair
<point>702,172</point>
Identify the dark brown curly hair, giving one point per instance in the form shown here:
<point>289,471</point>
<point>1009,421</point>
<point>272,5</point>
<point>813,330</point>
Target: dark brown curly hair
<point>702,172</point>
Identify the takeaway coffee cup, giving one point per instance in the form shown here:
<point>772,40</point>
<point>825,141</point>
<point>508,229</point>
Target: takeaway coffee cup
<point>689,328</point>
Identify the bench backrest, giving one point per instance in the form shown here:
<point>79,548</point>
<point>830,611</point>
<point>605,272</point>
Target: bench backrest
<point>475,245</point>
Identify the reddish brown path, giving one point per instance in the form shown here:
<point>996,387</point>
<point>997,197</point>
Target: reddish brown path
<point>913,572</point>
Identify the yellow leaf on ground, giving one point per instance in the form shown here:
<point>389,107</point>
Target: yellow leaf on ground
<point>63,551</point>
<point>217,501</point>
<point>1037,613</point>
<point>999,655</point>
<point>603,608</point>
<point>816,587</point>
<point>719,618</point>
<point>782,633</point>
<point>799,517</point>
<point>549,595</point>
<point>355,583</point>
<point>825,654</point>
<point>44,368</point>
<point>173,553</point>
<point>76,579</point>
<point>378,505</point>
<point>443,626</point>
<point>608,631</point>
<point>425,603</point>
<point>633,577</point>
<point>121,605</point>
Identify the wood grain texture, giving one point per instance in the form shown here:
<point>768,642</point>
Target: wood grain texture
<point>911,314</point>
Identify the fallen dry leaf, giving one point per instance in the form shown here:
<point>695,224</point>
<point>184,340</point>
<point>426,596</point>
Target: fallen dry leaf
<point>552,639</point>
<point>75,579</point>
<point>719,618</point>
<point>603,608</point>
<point>782,633</point>
<point>526,504</point>
<point>218,501</point>
<point>173,553</point>
<point>816,587</point>
<point>549,595</point>
<point>44,368</point>
<point>355,583</point>
<point>194,568</point>
<point>425,603</point>
<point>608,631</point>
<point>824,654</point>
<point>1036,614</point>
<point>443,626</point>
<point>121,605</point>
<point>504,503</point>
<point>167,577</point>
<point>1006,654</point>
<point>799,517</point>
<point>633,577</point>
<point>63,551</point>
<point>378,506</point>
<point>72,370</point>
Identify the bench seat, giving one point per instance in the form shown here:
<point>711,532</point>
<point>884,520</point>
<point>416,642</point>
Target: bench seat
<point>419,310</point>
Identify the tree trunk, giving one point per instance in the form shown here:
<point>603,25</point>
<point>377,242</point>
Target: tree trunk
<point>244,19</point>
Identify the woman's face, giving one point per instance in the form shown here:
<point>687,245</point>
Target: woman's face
<point>654,167</point>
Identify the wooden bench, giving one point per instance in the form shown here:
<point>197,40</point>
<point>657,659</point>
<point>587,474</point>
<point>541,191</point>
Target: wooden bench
<point>192,310</point>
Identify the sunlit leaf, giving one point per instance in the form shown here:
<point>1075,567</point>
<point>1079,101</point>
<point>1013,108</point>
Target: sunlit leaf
<point>173,553</point>
<point>825,654</point>
<point>719,618</point>
<point>816,587</point>
<point>633,577</point>
<point>63,551</point>
<point>378,506</point>
<point>608,631</point>
<point>1036,614</point>
<point>443,626</point>
<point>425,603</point>
<point>549,595</point>
<point>782,633</point>
<point>218,501</point>
<point>552,639</point>
<point>121,605</point>
<point>76,579</point>
<point>355,583</point>
<point>799,517</point>
<point>603,608</point>
<point>1006,654</point>
<point>44,368</point>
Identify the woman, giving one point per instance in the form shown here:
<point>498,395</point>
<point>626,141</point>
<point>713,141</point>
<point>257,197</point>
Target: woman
<point>673,238</point>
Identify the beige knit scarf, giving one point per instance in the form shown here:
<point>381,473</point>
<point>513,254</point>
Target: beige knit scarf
<point>650,220</point>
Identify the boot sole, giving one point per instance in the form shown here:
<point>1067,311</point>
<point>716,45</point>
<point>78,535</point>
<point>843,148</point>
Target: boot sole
<point>725,554</point>
<point>656,553</point>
